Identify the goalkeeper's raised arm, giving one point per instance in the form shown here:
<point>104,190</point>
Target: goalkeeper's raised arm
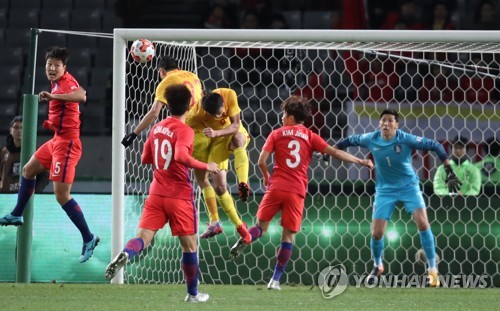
<point>397,182</point>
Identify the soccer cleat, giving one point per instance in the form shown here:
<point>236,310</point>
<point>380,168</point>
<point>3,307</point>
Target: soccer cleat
<point>243,191</point>
<point>237,248</point>
<point>242,230</point>
<point>274,284</point>
<point>433,278</point>
<point>88,248</point>
<point>116,264</point>
<point>201,297</point>
<point>9,220</point>
<point>211,231</point>
<point>372,278</point>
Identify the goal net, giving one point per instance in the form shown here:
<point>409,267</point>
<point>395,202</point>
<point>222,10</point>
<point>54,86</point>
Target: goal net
<point>443,84</point>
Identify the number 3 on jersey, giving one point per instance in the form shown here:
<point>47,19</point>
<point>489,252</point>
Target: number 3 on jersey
<point>294,147</point>
<point>163,153</point>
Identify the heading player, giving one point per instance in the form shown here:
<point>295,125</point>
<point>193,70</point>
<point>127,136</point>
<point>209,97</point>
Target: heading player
<point>218,132</point>
<point>170,74</point>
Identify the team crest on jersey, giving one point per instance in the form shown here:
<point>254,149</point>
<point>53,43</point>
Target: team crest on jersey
<point>398,148</point>
<point>222,122</point>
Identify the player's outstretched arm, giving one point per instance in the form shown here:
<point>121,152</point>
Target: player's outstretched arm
<point>264,155</point>
<point>148,119</point>
<point>79,95</point>
<point>344,156</point>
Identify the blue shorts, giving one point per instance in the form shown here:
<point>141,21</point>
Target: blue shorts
<point>385,202</point>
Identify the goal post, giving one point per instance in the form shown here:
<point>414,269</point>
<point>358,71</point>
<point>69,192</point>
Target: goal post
<point>351,76</point>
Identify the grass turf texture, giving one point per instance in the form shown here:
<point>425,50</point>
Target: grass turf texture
<point>235,297</point>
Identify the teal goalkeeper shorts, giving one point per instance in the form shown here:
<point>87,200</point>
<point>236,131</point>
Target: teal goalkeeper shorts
<point>385,201</point>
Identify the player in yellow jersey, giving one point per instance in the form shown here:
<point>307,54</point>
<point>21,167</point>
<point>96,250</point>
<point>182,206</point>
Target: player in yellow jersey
<point>218,131</point>
<point>170,74</point>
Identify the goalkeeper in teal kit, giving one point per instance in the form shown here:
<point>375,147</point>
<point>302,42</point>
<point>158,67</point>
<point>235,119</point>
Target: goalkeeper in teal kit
<point>396,181</point>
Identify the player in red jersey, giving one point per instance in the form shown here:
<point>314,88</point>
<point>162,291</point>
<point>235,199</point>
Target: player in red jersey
<point>60,154</point>
<point>293,145</point>
<point>169,148</point>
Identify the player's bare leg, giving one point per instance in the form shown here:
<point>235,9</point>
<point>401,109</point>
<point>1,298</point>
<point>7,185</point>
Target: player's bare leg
<point>213,227</point>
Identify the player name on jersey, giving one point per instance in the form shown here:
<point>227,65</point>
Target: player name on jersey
<point>297,134</point>
<point>164,130</point>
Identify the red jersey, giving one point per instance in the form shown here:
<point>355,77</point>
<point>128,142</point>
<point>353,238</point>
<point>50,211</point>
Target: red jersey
<point>64,117</point>
<point>169,148</point>
<point>293,147</point>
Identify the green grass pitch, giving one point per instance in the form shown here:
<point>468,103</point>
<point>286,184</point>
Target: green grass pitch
<point>238,297</point>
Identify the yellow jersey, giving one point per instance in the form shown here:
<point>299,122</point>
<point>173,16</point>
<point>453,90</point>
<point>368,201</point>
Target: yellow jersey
<point>178,76</point>
<point>198,119</point>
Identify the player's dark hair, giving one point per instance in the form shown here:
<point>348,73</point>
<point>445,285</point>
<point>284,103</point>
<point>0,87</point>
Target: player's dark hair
<point>212,102</point>
<point>167,63</point>
<point>59,53</point>
<point>178,97</point>
<point>16,119</point>
<point>390,111</point>
<point>298,107</point>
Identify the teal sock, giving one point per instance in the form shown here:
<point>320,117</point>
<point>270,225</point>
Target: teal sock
<point>377,247</point>
<point>427,240</point>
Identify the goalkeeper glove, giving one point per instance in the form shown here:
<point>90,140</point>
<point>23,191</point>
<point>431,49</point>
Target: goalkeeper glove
<point>452,180</point>
<point>128,139</point>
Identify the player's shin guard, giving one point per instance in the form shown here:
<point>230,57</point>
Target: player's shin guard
<point>241,164</point>
<point>190,268</point>
<point>26,190</point>
<point>75,213</point>
<point>377,247</point>
<point>282,258</point>
<point>227,203</point>
<point>133,247</point>
<point>211,203</point>
<point>427,240</point>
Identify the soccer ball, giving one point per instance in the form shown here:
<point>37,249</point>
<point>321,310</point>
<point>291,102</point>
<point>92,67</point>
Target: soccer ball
<point>142,50</point>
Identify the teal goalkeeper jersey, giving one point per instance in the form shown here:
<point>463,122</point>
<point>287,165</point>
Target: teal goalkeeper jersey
<point>392,158</point>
